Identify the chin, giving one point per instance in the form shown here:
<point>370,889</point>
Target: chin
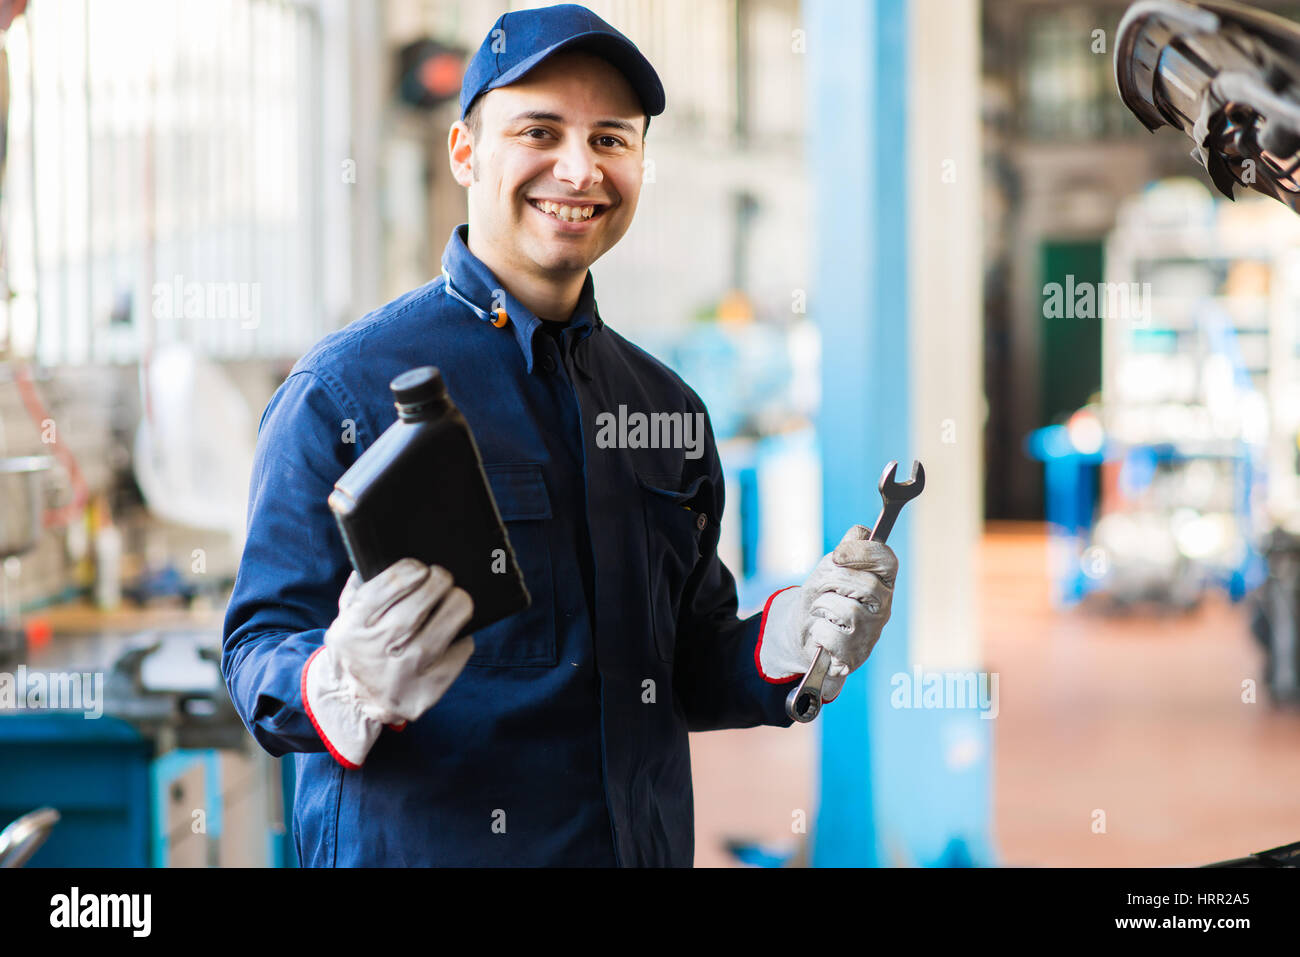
<point>552,261</point>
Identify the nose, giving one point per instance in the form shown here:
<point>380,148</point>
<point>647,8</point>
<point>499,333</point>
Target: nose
<point>576,166</point>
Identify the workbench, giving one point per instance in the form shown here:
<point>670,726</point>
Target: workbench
<point>160,771</point>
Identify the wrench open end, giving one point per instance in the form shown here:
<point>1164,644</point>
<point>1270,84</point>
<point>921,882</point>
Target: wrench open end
<point>893,490</point>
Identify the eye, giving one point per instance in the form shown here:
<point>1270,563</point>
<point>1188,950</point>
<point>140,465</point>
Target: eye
<point>609,142</point>
<point>536,129</point>
<point>873,606</point>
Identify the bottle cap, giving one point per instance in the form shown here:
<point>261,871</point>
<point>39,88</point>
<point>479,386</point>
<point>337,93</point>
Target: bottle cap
<point>418,386</point>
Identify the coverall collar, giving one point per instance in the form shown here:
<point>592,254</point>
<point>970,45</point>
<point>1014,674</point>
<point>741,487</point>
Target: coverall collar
<point>473,280</point>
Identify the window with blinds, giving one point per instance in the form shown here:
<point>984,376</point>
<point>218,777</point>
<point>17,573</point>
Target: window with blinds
<point>162,179</point>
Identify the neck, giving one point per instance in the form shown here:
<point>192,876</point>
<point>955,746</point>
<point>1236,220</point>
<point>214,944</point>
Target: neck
<point>551,300</point>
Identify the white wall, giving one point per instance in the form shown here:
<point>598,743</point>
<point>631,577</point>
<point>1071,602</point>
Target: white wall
<point>946,328</point>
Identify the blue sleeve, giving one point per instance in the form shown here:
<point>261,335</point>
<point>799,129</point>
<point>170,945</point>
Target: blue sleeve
<point>294,564</point>
<point>715,674</point>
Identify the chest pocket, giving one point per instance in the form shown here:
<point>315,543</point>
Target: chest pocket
<point>673,531</point>
<point>526,638</point>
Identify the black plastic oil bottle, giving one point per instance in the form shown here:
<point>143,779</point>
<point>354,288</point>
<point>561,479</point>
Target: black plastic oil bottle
<point>420,492</point>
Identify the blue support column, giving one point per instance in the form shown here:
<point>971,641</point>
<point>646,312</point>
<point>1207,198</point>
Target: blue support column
<point>857,69</point>
<point>898,785</point>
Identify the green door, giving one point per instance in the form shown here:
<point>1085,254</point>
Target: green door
<point>1070,356</point>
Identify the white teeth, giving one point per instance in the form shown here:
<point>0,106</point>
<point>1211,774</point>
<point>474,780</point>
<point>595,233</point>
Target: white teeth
<point>570,214</point>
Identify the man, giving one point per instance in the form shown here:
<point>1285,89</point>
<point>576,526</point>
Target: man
<point>559,735</point>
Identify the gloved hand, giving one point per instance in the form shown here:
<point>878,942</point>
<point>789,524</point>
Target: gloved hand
<point>388,656</point>
<point>842,607</point>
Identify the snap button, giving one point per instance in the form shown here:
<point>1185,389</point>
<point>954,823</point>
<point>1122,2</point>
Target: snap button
<point>701,521</point>
<point>548,364</point>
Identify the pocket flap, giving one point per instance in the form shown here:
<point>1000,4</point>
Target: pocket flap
<point>666,485</point>
<point>520,491</point>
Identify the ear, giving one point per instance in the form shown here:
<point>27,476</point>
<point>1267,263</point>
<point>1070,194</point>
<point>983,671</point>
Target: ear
<point>460,153</point>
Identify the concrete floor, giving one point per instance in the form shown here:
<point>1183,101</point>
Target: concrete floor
<point>1139,717</point>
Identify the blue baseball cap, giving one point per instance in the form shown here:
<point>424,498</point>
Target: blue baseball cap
<point>522,39</point>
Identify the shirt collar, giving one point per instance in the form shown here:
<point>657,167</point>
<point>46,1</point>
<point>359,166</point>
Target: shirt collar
<point>473,280</point>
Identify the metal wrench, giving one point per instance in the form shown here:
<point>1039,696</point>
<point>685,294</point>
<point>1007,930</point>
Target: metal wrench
<point>805,702</point>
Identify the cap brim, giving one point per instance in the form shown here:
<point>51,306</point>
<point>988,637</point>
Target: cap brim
<point>621,53</point>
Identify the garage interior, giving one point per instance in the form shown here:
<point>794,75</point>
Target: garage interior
<point>860,236</point>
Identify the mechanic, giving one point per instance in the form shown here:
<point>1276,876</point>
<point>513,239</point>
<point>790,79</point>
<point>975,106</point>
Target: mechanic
<point>557,736</point>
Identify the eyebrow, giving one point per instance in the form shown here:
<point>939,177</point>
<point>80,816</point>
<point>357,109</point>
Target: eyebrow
<point>611,124</point>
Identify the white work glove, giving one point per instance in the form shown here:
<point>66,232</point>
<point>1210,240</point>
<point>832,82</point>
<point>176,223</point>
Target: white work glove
<point>388,657</point>
<point>842,607</point>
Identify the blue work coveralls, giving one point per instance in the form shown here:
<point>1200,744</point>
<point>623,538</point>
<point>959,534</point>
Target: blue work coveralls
<point>564,740</point>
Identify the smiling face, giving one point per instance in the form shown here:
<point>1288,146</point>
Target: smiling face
<point>555,171</point>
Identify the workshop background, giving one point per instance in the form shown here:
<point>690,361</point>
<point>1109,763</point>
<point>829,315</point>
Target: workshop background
<point>860,237</point>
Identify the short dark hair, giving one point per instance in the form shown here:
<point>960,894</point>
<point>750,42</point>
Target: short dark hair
<point>475,121</point>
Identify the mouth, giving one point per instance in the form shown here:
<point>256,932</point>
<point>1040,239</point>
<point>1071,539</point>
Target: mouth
<point>570,214</point>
